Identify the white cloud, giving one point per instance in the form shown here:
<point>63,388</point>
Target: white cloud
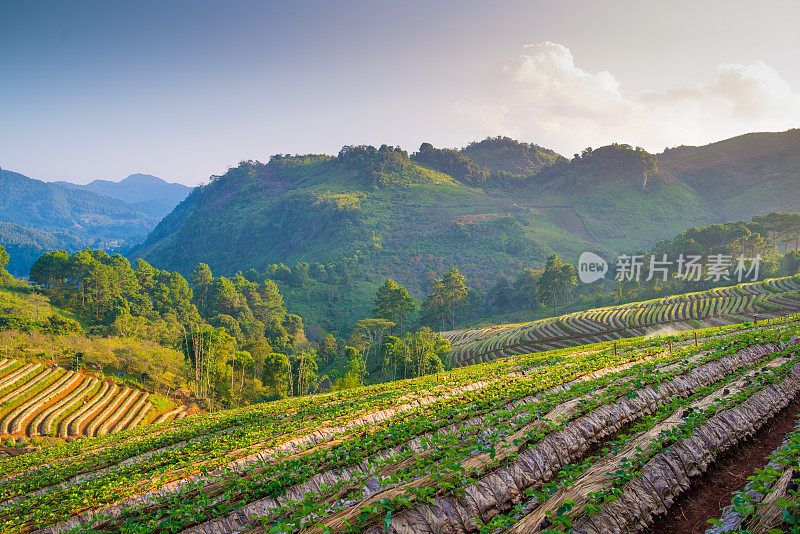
<point>543,96</point>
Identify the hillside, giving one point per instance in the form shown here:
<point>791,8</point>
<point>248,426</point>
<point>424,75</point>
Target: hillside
<point>143,192</point>
<point>57,380</point>
<point>38,209</point>
<point>378,213</point>
<point>721,306</point>
<point>742,176</point>
<point>25,245</point>
<point>591,437</point>
<point>39,398</point>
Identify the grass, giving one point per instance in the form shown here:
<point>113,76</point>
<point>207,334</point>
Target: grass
<point>161,403</point>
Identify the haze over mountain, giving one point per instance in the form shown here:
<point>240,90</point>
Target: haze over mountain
<point>387,214</point>
<point>744,175</point>
<point>37,216</point>
<point>144,192</point>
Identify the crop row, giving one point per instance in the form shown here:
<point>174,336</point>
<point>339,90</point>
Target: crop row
<point>771,499</point>
<point>112,485</point>
<point>768,298</point>
<point>491,494</point>
<point>39,400</point>
<point>536,493</point>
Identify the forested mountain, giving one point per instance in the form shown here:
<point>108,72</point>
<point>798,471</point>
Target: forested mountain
<point>25,245</point>
<point>742,176</point>
<point>40,215</point>
<point>144,192</point>
<point>348,222</point>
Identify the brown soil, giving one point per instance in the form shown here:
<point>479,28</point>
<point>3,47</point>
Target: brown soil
<point>14,451</point>
<point>98,410</point>
<point>27,427</point>
<point>711,491</point>
<point>118,414</point>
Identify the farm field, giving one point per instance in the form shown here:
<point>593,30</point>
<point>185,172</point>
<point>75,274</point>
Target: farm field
<point>529,443</point>
<point>720,306</point>
<point>38,399</point>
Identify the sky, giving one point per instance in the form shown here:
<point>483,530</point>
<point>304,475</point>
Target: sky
<point>186,89</point>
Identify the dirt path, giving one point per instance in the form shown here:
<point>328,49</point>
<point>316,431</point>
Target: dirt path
<point>711,492</point>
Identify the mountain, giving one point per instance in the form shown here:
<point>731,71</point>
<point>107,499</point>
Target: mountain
<point>40,216</point>
<point>371,213</point>
<point>622,198</point>
<point>742,176</point>
<point>25,245</point>
<point>144,192</point>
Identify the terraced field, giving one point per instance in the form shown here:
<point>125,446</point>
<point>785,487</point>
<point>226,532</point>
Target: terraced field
<point>721,306</point>
<point>594,439</point>
<point>40,400</point>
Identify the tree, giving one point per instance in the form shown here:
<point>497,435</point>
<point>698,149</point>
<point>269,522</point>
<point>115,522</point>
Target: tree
<point>550,282</point>
<point>568,280</point>
<point>369,333</point>
<point>435,303</point>
<point>790,263</point>
<point>784,227</point>
<point>4,258</point>
<point>276,376</point>
<point>455,289</point>
<point>245,360</point>
<point>426,351</point>
<point>500,295</point>
<point>306,370</point>
<point>50,271</point>
<point>328,348</point>
<point>259,350</point>
<point>393,303</point>
<point>526,288</point>
<point>354,374</point>
<point>394,355</point>
<point>198,347</point>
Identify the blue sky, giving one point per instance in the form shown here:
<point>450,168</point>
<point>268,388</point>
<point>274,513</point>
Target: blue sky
<point>186,89</point>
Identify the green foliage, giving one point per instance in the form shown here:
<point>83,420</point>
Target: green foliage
<point>451,162</point>
<point>355,371</point>
<point>790,263</point>
<point>415,354</point>
<point>3,258</point>
<point>106,292</point>
<point>54,324</point>
<point>444,297</point>
<point>506,157</point>
<point>276,375</point>
<point>393,303</point>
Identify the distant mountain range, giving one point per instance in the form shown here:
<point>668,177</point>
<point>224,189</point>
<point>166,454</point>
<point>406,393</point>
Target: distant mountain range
<point>144,192</point>
<point>490,208</point>
<point>37,216</point>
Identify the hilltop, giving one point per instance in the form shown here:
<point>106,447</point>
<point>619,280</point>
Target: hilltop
<point>490,208</point>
